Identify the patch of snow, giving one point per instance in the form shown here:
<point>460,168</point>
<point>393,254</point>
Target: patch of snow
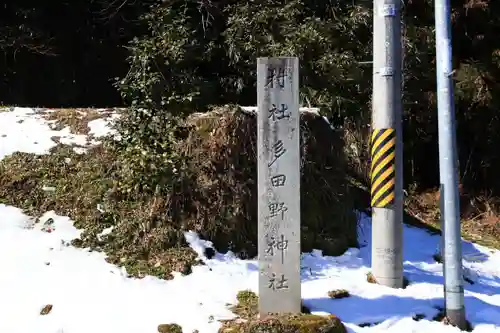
<point>90,295</point>
<point>100,127</point>
<point>48,188</point>
<point>80,150</point>
<point>104,233</point>
<point>254,109</point>
<point>25,130</point>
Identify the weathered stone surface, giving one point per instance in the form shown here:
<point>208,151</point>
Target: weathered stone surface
<point>278,163</point>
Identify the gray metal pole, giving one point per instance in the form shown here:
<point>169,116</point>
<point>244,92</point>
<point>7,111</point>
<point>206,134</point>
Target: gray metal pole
<point>448,169</point>
<point>386,145</point>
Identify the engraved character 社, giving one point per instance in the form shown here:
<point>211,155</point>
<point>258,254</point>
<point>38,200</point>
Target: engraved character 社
<point>278,284</point>
<point>279,112</point>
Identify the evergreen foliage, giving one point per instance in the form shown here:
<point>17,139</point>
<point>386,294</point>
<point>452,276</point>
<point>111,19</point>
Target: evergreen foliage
<point>192,54</point>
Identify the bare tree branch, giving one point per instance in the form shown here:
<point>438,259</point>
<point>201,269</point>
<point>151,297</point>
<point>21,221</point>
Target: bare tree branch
<point>15,38</point>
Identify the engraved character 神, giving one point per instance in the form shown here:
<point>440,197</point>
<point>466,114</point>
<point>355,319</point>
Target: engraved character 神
<point>280,244</point>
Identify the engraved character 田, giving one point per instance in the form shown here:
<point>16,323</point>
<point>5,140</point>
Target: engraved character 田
<point>278,180</point>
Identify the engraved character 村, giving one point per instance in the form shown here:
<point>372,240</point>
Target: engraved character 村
<point>275,75</point>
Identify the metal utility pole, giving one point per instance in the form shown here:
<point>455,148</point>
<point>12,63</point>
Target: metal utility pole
<point>386,145</point>
<point>448,169</point>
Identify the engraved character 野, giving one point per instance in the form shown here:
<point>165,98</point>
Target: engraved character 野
<point>277,208</point>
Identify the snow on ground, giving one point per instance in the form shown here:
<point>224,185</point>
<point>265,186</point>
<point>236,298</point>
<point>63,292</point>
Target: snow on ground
<point>25,130</point>
<point>90,295</point>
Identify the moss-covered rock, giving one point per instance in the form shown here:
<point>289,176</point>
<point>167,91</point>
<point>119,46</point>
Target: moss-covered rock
<point>248,320</point>
<point>46,309</point>
<point>303,323</point>
<point>169,328</point>
<point>338,293</point>
<point>247,306</point>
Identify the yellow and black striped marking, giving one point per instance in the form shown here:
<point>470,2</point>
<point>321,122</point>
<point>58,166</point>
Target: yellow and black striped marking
<point>383,170</point>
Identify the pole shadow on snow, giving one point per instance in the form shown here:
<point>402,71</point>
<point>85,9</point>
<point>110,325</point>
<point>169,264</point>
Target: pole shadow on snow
<point>362,311</point>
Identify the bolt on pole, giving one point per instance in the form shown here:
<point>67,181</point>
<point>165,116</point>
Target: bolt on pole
<point>386,145</point>
<point>448,170</point>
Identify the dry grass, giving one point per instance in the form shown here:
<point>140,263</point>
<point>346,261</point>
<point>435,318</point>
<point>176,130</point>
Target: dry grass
<point>356,149</point>
<point>76,119</point>
<point>83,183</point>
<point>216,197</point>
<point>480,215</point>
<point>221,146</point>
<point>370,278</point>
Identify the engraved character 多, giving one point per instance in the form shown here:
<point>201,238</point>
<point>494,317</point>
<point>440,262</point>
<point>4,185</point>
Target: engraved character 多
<point>278,284</point>
<point>277,208</point>
<point>278,113</point>
<point>278,150</point>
